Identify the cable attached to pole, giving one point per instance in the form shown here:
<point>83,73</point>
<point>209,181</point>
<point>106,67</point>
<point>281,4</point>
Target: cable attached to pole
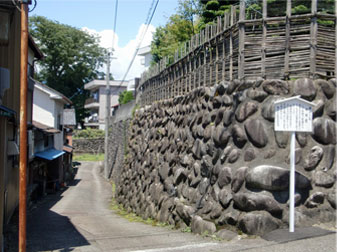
<point>139,44</point>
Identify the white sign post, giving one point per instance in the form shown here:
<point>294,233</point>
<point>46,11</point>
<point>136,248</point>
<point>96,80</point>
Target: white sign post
<point>293,115</point>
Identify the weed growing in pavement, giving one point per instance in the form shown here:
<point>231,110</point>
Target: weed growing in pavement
<point>186,230</point>
<point>131,216</point>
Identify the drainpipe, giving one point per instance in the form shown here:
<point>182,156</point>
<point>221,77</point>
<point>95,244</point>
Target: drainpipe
<point>23,127</point>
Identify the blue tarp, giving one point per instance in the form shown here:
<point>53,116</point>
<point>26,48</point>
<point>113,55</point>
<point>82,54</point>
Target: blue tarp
<point>49,154</point>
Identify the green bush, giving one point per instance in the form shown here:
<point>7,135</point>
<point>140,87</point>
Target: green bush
<point>212,5</point>
<point>125,97</point>
<point>89,133</point>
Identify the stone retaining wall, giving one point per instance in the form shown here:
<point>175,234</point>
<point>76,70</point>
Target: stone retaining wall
<point>211,159</point>
<point>118,136</point>
<point>84,145</point>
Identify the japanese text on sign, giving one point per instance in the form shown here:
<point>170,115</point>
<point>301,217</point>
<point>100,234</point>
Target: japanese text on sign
<point>293,115</point>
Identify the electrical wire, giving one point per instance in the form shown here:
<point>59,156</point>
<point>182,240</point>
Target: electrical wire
<point>148,22</point>
<point>13,1</point>
<point>19,8</point>
<point>115,24</point>
<point>35,3</point>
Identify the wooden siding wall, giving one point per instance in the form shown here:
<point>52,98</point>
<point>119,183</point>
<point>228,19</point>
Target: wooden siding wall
<point>10,58</point>
<point>2,172</point>
<point>9,173</point>
<point>291,46</point>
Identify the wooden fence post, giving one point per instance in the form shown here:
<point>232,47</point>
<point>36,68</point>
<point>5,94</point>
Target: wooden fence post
<point>210,64</point>
<point>224,47</point>
<point>189,72</point>
<point>313,38</point>
<point>150,92</point>
<point>216,61</point>
<point>336,39</point>
<point>205,66</point>
<point>287,42</point>
<point>264,37</point>
<point>170,83</point>
<point>231,44</point>
<point>199,67</point>
<point>241,59</point>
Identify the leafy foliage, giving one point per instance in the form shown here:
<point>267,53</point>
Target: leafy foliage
<point>72,57</point>
<point>88,133</point>
<point>193,15</point>
<point>166,39</point>
<point>125,97</point>
<point>179,28</point>
<point>214,8</point>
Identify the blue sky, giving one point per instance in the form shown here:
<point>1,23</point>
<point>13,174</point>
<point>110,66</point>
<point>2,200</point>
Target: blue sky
<point>97,16</point>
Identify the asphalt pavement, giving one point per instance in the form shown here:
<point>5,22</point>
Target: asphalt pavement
<point>79,219</point>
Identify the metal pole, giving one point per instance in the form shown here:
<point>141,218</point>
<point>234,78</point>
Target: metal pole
<point>23,129</point>
<point>292,184</point>
<point>107,116</point>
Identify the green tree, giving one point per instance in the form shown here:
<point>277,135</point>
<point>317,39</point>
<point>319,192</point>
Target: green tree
<point>179,28</point>
<point>190,10</point>
<point>167,39</point>
<point>125,97</point>
<point>102,76</point>
<point>193,15</point>
<point>72,57</point>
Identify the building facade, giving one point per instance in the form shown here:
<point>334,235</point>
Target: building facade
<point>10,107</point>
<point>49,167</point>
<point>97,101</point>
<point>146,59</point>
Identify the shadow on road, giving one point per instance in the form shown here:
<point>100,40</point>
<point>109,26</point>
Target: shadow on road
<point>47,230</point>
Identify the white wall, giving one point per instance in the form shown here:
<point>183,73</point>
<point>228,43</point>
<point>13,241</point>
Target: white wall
<point>58,138</point>
<point>113,101</point>
<point>148,59</point>
<point>46,111</point>
<point>43,108</point>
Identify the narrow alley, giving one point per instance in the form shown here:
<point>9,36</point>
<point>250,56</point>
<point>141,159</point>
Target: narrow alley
<point>79,219</point>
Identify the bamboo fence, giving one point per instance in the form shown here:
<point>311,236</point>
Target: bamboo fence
<point>282,47</point>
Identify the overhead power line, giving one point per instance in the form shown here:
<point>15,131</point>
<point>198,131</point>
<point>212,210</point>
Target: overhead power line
<point>115,25</point>
<point>108,106</point>
<point>147,23</point>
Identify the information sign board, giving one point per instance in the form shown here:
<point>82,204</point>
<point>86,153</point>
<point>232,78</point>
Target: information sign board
<point>293,114</point>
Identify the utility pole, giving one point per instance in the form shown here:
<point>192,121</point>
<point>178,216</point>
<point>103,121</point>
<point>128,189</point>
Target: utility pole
<point>23,127</point>
<point>107,116</point>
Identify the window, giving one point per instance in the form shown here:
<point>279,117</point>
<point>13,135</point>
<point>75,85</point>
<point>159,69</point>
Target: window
<point>46,141</point>
<point>59,125</point>
<point>4,27</point>
<point>95,95</point>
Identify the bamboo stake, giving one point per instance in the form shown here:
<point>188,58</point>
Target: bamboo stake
<point>231,45</point>
<point>336,39</point>
<point>241,57</point>
<point>313,38</point>
<point>287,42</point>
<point>264,36</point>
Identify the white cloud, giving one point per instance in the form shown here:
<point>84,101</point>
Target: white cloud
<point>124,54</point>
